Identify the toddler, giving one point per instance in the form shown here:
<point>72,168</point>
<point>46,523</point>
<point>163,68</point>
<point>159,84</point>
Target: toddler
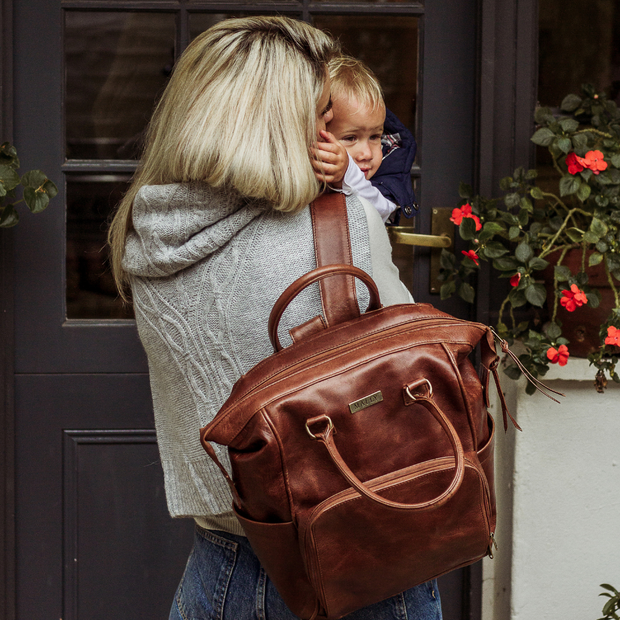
<point>359,122</point>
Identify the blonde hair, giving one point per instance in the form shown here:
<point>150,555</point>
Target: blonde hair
<point>238,113</point>
<point>352,79</point>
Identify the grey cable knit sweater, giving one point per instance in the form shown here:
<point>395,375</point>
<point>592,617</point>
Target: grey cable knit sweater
<point>206,268</point>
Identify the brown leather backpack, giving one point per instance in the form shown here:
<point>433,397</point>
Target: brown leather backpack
<point>362,455</point>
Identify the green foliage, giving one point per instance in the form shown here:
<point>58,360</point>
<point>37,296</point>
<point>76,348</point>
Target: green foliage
<point>531,228</point>
<point>611,606</point>
<point>37,192</point>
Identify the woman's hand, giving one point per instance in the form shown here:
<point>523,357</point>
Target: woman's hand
<point>334,160</point>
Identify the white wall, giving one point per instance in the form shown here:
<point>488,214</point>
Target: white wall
<point>558,485</point>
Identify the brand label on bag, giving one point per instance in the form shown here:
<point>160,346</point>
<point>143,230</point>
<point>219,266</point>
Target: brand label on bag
<point>367,401</point>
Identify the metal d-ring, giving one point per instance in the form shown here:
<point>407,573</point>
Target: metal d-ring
<point>430,390</point>
<point>330,425</point>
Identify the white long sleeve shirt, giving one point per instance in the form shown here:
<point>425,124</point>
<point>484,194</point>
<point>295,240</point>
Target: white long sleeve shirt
<point>355,183</point>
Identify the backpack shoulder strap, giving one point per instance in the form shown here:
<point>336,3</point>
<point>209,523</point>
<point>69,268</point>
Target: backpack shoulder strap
<point>332,245</point>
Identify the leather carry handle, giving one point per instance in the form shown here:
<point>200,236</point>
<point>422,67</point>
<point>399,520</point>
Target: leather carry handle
<point>326,437</point>
<point>309,278</point>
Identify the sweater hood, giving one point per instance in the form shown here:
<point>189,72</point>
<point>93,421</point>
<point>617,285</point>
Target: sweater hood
<point>178,225</point>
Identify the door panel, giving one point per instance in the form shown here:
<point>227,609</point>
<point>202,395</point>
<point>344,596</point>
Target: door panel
<point>93,535</point>
<point>95,540</point>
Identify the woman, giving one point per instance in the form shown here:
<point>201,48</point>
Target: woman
<point>214,227</point>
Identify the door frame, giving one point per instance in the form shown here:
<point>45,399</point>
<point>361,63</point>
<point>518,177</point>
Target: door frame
<point>7,419</point>
<point>506,86</point>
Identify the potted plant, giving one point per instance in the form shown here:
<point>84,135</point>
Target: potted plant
<point>38,190</point>
<point>547,234</point>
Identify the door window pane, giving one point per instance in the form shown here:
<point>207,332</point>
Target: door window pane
<point>116,65</point>
<point>389,46</point>
<point>199,22</point>
<point>91,293</point>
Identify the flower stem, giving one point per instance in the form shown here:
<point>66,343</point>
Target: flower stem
<point>555,284</point>
<point>611,283</point>
<point>596,131</point>
<point>557,234</point>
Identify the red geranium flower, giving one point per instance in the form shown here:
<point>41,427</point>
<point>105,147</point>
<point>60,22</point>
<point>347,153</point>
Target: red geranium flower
<point>594,161</point>
<point>573,163</point>
<point>514,281</point>
<point>574,298</point>
<point>559,355</point>
<point>471,254</point>
<point>465,211</point>
<point>613,336</point>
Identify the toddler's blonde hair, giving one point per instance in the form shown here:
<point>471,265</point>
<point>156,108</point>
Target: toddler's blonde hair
<point>352,79</point>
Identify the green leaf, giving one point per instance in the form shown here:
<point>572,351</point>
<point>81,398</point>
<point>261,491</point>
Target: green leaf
<point>9,178</point>
<point>569,125</point>
<point>447,289</point>
<point>514,232</point>
<point>447,260</point>
<point>492,228</point>
<point>536,193</point>
<point>466,292</point>
<point>561,273</point>
<point>513,372</point>
<point>598,227</point>
<point>536,294</point>
<point>583,193</point>
<point>506,183</point>
<point>465,190</point>
<point>574,234</point>
<point>543,137</point>
<point>542,115</point>
<point>570,103</point>
<point>564,144</point>
<point>553,331</point>
<point>517,298</point>
<point>467,228</point>
<point>538,264</point>
<point>580,142</point>
<point>615,160</point>
<point>595,259</point>
<point>9,217</point>
<point>512,200</point>
<point>34,179</point>
<point>523,217</point>
<point>505,263</point>
<point>494,249</point>
<point>602,247</point>
<point>524,252</point>
<point>594,299</point>
<point>569,185</point>
<point>36,200</point>
<point>590,237</point>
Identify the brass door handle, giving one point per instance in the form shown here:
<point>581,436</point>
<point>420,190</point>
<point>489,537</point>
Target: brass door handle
<point>400,234</point>
<point>442,229</point>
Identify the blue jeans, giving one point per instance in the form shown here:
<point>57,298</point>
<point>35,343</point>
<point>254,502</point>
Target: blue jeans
<point>224,580</point>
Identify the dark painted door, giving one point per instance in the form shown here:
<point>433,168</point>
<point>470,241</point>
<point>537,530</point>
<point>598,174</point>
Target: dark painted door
<point>93,537</point>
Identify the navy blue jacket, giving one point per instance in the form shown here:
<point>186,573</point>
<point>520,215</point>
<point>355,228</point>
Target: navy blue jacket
<point>393,179</point>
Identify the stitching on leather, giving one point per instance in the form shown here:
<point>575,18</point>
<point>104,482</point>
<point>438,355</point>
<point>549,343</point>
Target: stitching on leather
<point>468,463</point>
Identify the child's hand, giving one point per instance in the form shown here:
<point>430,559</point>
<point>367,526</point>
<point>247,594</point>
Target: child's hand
<point>334,160</point>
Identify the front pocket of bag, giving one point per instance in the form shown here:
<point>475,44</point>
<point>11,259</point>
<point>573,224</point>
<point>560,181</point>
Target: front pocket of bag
<point>360,552</point>
<point>277,547</point>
